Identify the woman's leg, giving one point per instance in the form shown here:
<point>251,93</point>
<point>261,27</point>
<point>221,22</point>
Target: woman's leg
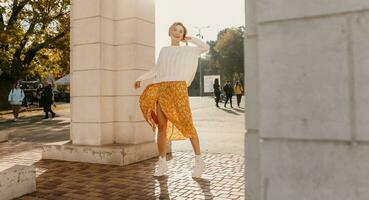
<point>46,111</point>
<point>14,111</point>
<point>196,145</point>
<point>162,136</point>
<point>199,167</point>
<point>238,99</point>
<point>17,108</point>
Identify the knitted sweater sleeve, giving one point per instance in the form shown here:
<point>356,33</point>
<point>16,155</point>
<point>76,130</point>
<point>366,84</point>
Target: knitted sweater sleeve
<point>201,46</point>
<point>10,95</point>
<point>151,73</point>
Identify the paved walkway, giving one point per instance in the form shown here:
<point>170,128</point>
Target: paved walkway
<point>221,132</point>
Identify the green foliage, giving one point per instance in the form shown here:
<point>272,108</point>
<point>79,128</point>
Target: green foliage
<point>226,54</point>
<point>34,40</point>
<point>34,34</point>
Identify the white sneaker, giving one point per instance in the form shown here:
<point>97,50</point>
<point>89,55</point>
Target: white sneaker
<point>162,167</point>
<point>199,167</point>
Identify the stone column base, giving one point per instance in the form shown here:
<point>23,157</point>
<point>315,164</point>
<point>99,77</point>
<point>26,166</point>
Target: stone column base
<point>115,154</point>
<point>16,181</point>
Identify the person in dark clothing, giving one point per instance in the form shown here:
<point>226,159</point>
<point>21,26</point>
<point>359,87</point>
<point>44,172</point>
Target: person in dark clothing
<point>228,89</point>
<point>47,100</point>
<point>216,87</point>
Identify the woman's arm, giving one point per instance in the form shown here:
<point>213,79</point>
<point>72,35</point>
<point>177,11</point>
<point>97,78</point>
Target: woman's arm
<point>202,46</point>
<point>145,76</point>
<point>148,75</point>
<point>152,72</point>
<point>10,95</point>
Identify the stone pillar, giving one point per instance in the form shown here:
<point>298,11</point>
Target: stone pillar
<point>313,119</point>
<point>252,151</point>
<point>112,43</point>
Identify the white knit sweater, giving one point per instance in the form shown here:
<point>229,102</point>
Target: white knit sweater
<point>176,63</point>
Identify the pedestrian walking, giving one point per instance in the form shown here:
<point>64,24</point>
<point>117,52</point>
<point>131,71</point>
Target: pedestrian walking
<point>15,98</point>
<point>217,92</point>
<point>228,89</point>
<point>39,93</point>
<point>47,99</point>
<point>238,90</point>
<point>165,102</point>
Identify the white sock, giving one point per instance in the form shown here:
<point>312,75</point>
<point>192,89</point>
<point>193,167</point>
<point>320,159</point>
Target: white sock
<point>162,158</point>
<point>198,157</point>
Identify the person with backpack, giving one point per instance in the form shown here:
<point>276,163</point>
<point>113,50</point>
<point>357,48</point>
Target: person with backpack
<point>228,89</point>
<point>15,99</point>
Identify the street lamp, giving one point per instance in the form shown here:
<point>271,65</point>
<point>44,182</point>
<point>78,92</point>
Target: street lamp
<point>199,34</point>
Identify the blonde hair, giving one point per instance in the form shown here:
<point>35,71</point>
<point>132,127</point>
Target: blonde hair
<point>178,24</point>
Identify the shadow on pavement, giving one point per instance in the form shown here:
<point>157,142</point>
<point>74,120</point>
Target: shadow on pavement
<point>240,109</point>
<point>35,129</point>
<point>163,184</point>
<point>205,187</point>
<point>229,111</point>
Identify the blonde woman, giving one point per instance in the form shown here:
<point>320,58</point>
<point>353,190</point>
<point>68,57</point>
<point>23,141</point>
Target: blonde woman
<point>165,102</point>
<point>238,89</point>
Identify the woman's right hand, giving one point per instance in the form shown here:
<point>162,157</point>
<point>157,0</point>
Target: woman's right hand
<point>137,84</point>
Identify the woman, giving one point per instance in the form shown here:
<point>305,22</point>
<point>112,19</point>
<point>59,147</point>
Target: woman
<point>165,103</point>
<point>39,93</point>
<point>217,92</point>
<point>15,99</point>
<point>238,91</point>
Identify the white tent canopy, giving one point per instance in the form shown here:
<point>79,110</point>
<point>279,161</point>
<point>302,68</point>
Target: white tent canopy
<point>63,81</point>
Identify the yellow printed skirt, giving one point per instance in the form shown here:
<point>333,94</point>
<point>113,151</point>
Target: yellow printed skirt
<point>174,102</point>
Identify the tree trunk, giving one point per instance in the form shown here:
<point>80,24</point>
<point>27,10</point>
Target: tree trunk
<point>5,87</point>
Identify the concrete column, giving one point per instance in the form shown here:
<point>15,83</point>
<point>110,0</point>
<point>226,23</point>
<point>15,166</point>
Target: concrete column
<point>135,54</point>
<point>112,43</point>
<point>252,138</point>
<point>313,99</point>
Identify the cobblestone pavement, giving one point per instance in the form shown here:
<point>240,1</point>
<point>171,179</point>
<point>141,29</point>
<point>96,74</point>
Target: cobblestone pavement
<point>220,130</point>
<point>223,178</point>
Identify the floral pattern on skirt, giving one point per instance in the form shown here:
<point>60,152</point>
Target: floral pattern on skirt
<point>174,102</point>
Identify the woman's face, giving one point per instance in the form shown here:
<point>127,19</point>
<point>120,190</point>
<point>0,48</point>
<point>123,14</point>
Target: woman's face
<point>177,33</point>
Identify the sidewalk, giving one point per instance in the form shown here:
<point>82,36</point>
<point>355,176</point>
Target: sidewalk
<point>223,179</point>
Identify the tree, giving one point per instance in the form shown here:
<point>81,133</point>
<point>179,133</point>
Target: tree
<point>227,55</point>
<point>34,37</point>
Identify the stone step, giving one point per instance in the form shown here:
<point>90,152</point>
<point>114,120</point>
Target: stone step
<point>115,154</point>
<point>16,180</point>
